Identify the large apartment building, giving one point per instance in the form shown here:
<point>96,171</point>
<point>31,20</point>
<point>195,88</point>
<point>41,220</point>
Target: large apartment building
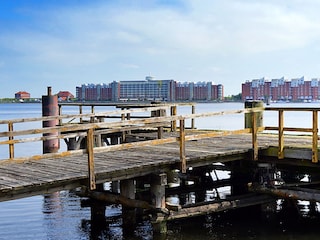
<point>150,89</point>
<point>296,89</point>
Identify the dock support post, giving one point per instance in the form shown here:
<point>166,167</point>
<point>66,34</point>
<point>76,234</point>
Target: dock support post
<point>247,116</point>
<point>91,174</point>
<point>74,143</point>
<point>280,136</point>
<point>98,212</point>
<point>254,136</point>
<point>157,189</point>
<point>115,185</point>
<point>50,108</point>
<point>315,136</point>
<point>254,120</point>
<point>240,176</point>
<point>182,147</point>
<point>127,189</point>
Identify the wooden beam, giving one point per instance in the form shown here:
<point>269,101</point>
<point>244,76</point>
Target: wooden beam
<point>174,122</point>
<point>281,135</point>
<point>11,145</point>
<point>182,147</point>
<point>315,136</point>
<point>116,199</point>
<point>219,206</point>
<point>254,136</point>
<point>193,111</point>
<point>293,193</point>
<point>91,173</point>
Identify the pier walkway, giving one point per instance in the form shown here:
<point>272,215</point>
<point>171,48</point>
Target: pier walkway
<point>51,174</point>
<point>100,151</point>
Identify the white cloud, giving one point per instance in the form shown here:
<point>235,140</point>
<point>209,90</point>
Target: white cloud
<point>200,41</point>
<point>232,27</point>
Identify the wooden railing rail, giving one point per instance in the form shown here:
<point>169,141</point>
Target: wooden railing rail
<point>90,129</point>
<point>282,129</point>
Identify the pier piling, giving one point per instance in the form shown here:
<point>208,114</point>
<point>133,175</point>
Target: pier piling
<point>50,108</point>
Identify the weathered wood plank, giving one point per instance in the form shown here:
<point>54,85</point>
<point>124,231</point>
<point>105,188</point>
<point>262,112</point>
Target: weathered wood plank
<point>52,173</point>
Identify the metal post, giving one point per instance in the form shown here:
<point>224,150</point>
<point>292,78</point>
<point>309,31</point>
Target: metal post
<point>50,108</point>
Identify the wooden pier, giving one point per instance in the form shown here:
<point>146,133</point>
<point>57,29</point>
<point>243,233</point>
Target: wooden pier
<point>148,154</point>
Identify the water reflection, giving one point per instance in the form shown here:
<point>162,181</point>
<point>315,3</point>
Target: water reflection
<point>67,216</point>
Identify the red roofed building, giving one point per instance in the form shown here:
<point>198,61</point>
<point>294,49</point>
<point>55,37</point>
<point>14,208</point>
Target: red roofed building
<point>22,95</point>
<point>64,96</point>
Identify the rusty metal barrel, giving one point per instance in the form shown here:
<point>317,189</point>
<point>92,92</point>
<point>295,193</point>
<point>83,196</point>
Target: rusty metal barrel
<point>50,108</point>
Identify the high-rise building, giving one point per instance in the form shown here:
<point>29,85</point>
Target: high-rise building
<point>150,89</point>
<point>281,89</point>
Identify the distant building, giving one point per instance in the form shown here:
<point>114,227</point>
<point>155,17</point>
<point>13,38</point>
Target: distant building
<point>150,89</point>
<point>65,96</point>
<point>200,91</point>
<point>281,89</point>
<point>21,95</point>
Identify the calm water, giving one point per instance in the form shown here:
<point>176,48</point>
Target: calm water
<point>62,216</point>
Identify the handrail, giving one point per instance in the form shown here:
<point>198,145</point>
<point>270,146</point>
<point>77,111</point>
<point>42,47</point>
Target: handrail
<point>94,127</point>
<point>282,129</point>
<point>68,130</point>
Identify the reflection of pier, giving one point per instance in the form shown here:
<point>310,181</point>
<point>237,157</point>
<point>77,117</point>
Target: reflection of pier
<point>149,156</point>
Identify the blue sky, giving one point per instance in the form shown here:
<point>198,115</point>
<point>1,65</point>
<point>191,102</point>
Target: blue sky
<point>65,43</point>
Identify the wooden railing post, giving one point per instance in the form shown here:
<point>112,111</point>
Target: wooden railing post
<point>91,175</point>
<point>315,136</point>
<point>60,113</point>
<point>174,122</point>
<point>254,135</point>
<point>80,112</point>
<point>160,113</point>
<point>92,119</point>
<point>123,133</point>
<point>281,136</point>
<point>11,145</point>
<point>182,147</point>
<point>193,111</point>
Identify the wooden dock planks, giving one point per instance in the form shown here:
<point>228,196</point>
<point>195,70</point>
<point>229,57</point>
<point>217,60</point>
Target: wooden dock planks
<point>41,176</point>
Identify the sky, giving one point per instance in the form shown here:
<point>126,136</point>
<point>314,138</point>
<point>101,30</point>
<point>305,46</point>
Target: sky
<point>66,43</point>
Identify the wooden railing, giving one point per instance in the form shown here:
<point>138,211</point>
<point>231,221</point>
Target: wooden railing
<point>77,126</point>
<point>281,129</point>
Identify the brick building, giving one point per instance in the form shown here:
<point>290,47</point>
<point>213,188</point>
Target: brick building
<point>296,89</point>
<point>21,95</point>
<point>65,95</point>
<point>150,89</point>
